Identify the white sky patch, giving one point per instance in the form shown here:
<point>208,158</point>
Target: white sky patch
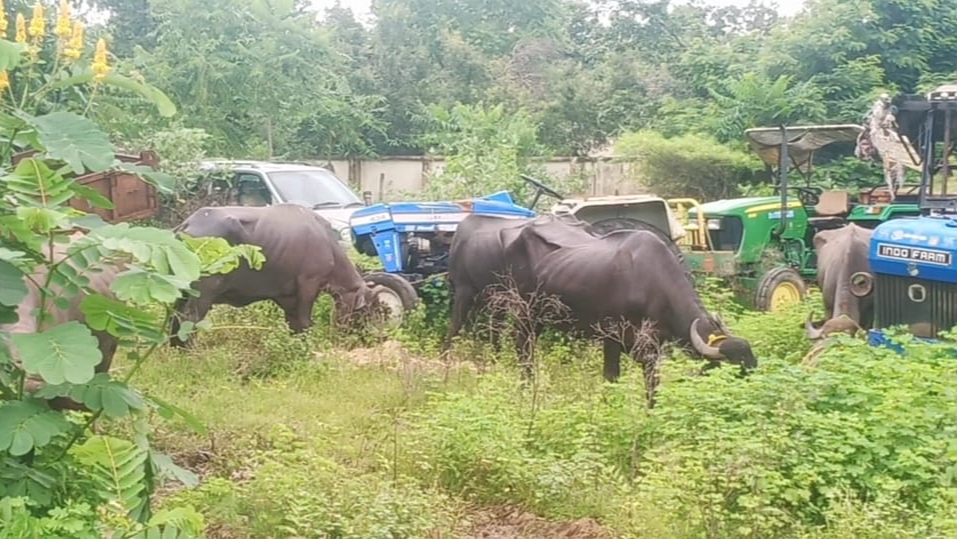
<point>362,11</point>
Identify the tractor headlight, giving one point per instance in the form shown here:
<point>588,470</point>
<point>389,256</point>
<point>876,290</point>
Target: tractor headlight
<point>714,224</point>
<point>862,284</point>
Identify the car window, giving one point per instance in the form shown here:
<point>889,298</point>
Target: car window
<point>313,188</point>
<point>251,190</point>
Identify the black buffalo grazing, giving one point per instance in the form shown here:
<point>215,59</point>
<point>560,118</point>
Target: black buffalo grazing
<point>477,261</point>
<point>303,259</point>
<point>630,276</point>
<point>99,282</point>
<point>843,275</point>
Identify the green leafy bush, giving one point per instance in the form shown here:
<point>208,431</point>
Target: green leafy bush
<point>789,448</point>
<point>298,491</point>
<point>57,478</point>
<point>687,165</point>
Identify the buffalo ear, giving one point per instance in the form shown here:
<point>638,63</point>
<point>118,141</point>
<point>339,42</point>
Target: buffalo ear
<point>821,238</point>
<point>236,230</point>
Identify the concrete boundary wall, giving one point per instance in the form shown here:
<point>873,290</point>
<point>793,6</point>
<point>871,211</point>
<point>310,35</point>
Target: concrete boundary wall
<point>390,177</point>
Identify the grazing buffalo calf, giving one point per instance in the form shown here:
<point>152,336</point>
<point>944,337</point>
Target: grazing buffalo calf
<point>303,259</point>
<point>843,275</point>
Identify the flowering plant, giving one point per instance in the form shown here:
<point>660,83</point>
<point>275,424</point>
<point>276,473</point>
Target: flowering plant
<point>37,65</point>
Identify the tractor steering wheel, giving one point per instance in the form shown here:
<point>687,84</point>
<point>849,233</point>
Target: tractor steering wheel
<point>541,187</point>
<point>809,196</point>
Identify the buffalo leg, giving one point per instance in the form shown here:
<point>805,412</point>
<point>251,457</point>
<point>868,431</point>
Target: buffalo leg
<point>295,318</point>
<point>612,356</point>
<point>192,310</point>
<point>461,304</point>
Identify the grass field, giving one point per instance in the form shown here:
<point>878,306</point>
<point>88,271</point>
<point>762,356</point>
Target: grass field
<point>307,438</point>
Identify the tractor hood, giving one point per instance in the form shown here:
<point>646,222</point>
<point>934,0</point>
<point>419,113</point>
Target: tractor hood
<point>737,205</point>
<point>922,248</point>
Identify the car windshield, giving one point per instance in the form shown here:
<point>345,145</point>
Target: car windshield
<point>313,188</point>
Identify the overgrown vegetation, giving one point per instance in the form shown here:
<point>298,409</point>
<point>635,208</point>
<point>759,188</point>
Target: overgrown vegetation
<point>402,444</point>
<point>257,432</point>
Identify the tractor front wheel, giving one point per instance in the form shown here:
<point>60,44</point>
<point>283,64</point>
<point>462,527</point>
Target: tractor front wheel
<point>394,293</point>
<point>779,289</point>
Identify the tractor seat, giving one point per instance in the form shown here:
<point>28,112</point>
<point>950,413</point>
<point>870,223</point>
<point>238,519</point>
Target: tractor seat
<point>831,210</point>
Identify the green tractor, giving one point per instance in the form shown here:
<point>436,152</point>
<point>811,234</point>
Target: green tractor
<point>764,245</point>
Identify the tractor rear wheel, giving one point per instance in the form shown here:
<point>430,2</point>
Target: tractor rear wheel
<point>394,293</point>
<point>779,289</point>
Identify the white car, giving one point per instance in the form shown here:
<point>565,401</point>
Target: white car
<point>261,183</point>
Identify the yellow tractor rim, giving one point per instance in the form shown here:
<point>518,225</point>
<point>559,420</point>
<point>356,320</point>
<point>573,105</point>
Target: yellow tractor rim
<point>783,295</point>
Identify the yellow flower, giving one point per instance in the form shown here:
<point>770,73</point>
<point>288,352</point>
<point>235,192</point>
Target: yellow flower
<point>4,81</point>
<point>100,67</point>
<point>63,26</point>
<point>21,28</point>
<point>38,24</point>
<point>4,23</point>
<point>74,47</point>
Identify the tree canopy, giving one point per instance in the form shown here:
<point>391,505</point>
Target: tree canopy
<point>271,78</point>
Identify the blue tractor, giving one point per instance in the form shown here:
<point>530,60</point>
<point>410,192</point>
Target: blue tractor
<point>412,239</point>
<point>914,260</point>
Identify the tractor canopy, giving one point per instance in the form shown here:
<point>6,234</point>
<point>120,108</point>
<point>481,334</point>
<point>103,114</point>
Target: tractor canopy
<point>802,142</point>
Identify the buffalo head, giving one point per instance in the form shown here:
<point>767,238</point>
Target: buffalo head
<point>354,304</point>
<point>724,347</point>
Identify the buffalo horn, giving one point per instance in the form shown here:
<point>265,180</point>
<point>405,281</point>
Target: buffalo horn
<point>702,347</point>
<point>813,333</point>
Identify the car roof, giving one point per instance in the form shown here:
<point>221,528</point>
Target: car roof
<point>262,166</point>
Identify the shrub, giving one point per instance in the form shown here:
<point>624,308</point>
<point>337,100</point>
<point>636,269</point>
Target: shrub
<point>298,492</point>
<point>687,165</point>
<point>789,450</point>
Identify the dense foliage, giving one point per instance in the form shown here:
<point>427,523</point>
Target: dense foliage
<point>265,79</point>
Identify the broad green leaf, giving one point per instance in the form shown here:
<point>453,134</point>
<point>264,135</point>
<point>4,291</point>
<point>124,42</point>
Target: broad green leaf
<point>34,184</point>
<point>165,467</point>
<point>74,139</point>
<point>27,424</point>
<point>8,315</point>
<point>117,467</point>
<point>142,287</point>
<point>93,197</point>
<point>41,220</point>
<point>121,320</point>
<point>18,479</point>
<point>218,256</point>
<point>157,247</point>
<point>64,353</point>
<point>67,281</point>
<point>115,398</point>
<point>89,221</point>
<point>163,182</point>
<point>9,255</point>
<point>13,286</point>
<point>10,54</point>
<point>169,411</point>
<point>164,105</point>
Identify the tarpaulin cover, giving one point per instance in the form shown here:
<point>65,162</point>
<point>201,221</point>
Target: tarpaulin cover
<point>803,141</point>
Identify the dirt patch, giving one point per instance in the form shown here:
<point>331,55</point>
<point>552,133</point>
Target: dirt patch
<point>515,523</point>
<point>392,355</point>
